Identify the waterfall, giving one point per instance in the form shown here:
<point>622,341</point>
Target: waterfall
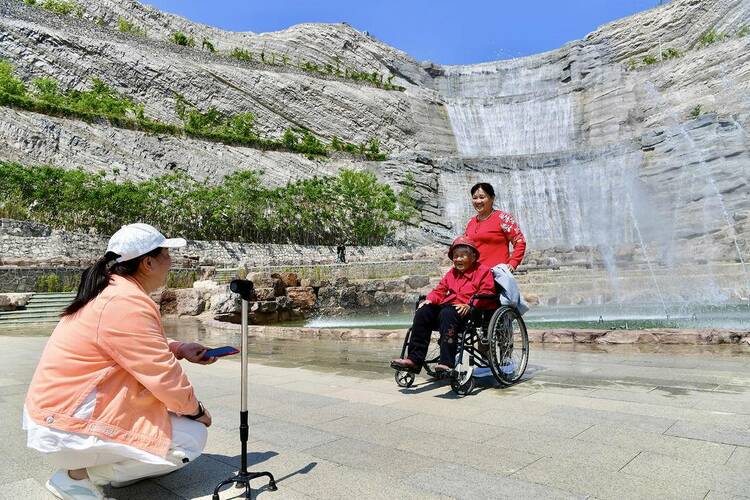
<point>496,127</point>
<point>580,203</point>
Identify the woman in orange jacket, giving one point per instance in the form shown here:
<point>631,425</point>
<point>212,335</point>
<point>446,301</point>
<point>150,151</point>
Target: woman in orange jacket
<point>109,401</point>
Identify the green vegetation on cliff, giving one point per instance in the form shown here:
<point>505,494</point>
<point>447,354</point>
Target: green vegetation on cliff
<point>352,207</point>
<point>103,103</point>
<point>126,26</point>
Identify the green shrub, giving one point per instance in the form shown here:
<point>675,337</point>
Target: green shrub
<point>743,31</point>
<point>649,60</point>
<point>126,26</point>
<point>52,283</point>
<point>352,207</point>
<point>29,2</point>
<point>695,112</point>
<point>289,139</point>
<point>671,53</point>
<point>181,38</point>
<point>48,90</point>
<point>9,83</point>
<point>372,151</point>
<point>632,64</point>
<point>207,45</point>
<point>241,54</point>
<point>63,7</point>
<point>711,37</point>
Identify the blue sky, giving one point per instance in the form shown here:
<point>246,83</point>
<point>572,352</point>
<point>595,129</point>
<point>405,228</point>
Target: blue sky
<point>447,32</point>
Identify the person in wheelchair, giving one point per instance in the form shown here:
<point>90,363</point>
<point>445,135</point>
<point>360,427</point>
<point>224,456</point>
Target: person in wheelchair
<point>446,307</point>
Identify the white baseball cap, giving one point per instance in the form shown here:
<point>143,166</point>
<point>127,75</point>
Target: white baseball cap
<point>134,240</point>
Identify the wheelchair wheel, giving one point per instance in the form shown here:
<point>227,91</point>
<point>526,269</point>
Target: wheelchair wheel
<point>404,378</point>
<point>462,378</point>
<point>462,389</point>
<point>509,346</point>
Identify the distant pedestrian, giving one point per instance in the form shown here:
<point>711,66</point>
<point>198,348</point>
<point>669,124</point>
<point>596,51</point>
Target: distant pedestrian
<point>341,254</point>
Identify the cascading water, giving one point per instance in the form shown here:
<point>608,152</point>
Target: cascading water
<point>579,204</point>
<point>518,128</point>
<point>495,126</point>
<point>713,201</point>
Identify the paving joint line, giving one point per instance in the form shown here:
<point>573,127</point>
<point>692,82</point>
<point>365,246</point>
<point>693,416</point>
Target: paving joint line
<point>628,462</point>
<point>584,430</point>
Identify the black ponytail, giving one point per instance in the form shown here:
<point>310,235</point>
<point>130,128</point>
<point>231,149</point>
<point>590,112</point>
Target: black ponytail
<point>96,278</point>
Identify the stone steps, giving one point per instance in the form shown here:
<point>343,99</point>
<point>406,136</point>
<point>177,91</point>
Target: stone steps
<point>41,308</point>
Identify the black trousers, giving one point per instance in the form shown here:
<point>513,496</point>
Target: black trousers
<point>431,317</point>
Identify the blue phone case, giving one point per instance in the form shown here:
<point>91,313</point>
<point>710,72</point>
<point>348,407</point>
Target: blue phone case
<point>227,350</point>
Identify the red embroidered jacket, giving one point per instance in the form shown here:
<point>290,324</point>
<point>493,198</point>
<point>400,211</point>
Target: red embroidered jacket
<point>493,235</point>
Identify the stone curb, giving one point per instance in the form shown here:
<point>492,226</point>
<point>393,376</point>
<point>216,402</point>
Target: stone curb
<point>552,336</point>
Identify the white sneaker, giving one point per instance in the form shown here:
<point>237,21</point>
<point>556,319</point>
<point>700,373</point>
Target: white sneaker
<point>63,486</point>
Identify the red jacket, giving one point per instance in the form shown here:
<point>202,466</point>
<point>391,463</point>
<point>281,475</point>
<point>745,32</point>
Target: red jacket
<point>457,287</point>
<point>492,237</point>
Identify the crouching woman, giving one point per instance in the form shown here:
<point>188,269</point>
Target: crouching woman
<point>109,401</point>
<point>447,307</point>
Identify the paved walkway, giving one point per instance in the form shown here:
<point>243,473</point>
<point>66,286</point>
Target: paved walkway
<point>585,424</point>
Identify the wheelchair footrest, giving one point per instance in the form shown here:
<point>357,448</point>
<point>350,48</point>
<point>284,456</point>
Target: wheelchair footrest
<point>404,369</point>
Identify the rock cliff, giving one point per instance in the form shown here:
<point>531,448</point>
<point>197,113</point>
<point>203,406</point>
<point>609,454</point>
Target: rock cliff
<point>597,143</point>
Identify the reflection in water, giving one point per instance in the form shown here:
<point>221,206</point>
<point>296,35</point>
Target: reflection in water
<point>369,358</point>
<point>604,316</point>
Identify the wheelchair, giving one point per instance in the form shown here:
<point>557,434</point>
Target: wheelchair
<point>492,343</point>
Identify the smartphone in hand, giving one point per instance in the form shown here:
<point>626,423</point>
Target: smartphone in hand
<point>219,352</point>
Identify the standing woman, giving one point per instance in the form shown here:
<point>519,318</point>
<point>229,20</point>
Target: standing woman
<point>494,231</point>
<point>109,402</point>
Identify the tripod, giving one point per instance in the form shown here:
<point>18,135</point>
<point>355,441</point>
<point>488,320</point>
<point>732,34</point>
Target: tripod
<point>244,288</point>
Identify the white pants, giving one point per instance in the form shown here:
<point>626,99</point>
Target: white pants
<point>108,466</point>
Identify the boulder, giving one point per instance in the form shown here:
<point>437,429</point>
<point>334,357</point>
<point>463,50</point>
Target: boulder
<point>531,299</point>
<point>264,293</point>
<point>301,297</point>
<point>205,285</point>
<point>167,300</point>
<point>283,303</point>
<point>279,288</point>
<point>365,298</point>
<point>385,299</point>
<point>416,282</point>
<point>190,302</point>
<point>348,298</point>
<point>289,279</point>
<point>227,307</point>
<point>261,280</point>
<point>393,286</point>
<point>265,306</point>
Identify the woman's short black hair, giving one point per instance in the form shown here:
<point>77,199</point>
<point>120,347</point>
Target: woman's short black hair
<point>484,186</point>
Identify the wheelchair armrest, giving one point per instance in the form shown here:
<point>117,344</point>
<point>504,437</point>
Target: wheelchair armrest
<point>484,296</point>
<point>419,300</point>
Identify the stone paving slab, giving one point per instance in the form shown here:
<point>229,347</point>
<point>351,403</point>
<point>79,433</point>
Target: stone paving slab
<point>724,478</point>
<point>582,425</point>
